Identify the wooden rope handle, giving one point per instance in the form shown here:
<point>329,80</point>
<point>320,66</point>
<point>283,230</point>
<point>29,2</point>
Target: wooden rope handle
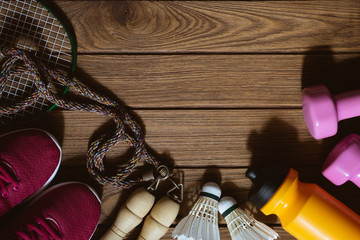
<point>157,223</point>
<point>130,214</point>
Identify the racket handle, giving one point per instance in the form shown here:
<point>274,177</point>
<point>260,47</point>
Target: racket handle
<point>130,214</point>
<point>160,218</point>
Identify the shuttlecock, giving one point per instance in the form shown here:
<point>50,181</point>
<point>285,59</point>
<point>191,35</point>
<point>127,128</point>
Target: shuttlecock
<point>202,221</point>
<point>242,226</point>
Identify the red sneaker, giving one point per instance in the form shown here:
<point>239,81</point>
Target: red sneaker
<point>29,160</point>
<point>67,211</point>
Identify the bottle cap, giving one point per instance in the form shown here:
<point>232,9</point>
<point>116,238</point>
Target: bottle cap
<point>266,181</point>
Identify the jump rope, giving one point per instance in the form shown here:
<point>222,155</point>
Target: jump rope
<point>18,61</point>
<point>35,42</point>
<point>38,58</point>
<point>127,130</point>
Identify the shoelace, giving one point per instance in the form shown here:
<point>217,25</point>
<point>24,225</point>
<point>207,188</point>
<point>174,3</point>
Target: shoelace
<point>39,230</point>
<point>7,179</point>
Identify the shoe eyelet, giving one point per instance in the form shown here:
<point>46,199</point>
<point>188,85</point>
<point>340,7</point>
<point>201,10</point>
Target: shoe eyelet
<point>5,195</point>
<point>16,188</point>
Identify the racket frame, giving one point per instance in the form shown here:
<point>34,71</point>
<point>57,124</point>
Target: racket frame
<point>72,38</point>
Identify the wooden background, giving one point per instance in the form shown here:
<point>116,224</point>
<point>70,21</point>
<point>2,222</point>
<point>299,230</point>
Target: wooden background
<point>217,86</point>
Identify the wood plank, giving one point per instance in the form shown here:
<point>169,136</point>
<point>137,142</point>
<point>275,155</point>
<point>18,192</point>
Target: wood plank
<point>196,81</point>
<point>185,136</point>
<point>224,233</point>
<point>216,81</point>
<point>214,26</point>
<point>198,138</point>
<point>217,86</point>
<point>233,183</point>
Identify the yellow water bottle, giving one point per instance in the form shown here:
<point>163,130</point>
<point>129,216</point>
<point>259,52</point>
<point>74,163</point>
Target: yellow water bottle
<point>305,210</point>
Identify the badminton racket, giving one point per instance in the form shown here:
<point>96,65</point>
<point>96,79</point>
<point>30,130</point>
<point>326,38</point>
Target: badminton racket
<point>38,59</point>
<point>34,27</point>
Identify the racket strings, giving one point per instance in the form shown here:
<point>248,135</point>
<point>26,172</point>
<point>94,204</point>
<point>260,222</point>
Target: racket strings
<point>31,26</point>
<point>18,61</point>
<point>12,69</point>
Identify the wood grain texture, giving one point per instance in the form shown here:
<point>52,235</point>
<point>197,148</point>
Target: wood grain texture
<point>204,138</point>
<point>232,181</point>
<point>204,146</point>
<point>198,81</point>
<point>214,26</point>
<point>217,87</point>
<point>200,138</point>
<point>224,233</point>
<point>217,81</point>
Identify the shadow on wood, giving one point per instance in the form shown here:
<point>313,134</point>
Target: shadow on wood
<point>52,122</point>
<point>278,142</point>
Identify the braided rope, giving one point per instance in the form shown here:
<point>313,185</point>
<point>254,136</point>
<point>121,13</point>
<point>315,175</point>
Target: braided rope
<point>18,61</point>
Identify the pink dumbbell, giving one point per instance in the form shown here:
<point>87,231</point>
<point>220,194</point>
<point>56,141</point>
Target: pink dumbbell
<point>322,111</point>
<point>343,162</point>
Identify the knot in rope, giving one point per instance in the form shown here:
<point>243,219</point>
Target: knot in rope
<point>18,61</point>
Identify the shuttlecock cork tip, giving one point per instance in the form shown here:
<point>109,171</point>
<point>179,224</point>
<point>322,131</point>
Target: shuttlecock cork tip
<point>211,190</point>
<point>227,205</point>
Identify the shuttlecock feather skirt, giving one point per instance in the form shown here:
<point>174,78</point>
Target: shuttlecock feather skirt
<point>243,227</point>
<point>201,222</point>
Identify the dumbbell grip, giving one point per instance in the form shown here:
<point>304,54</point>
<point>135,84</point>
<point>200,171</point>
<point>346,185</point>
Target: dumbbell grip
<point>130,214</point>
<point>347,104</point>
<point>160,218</point>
